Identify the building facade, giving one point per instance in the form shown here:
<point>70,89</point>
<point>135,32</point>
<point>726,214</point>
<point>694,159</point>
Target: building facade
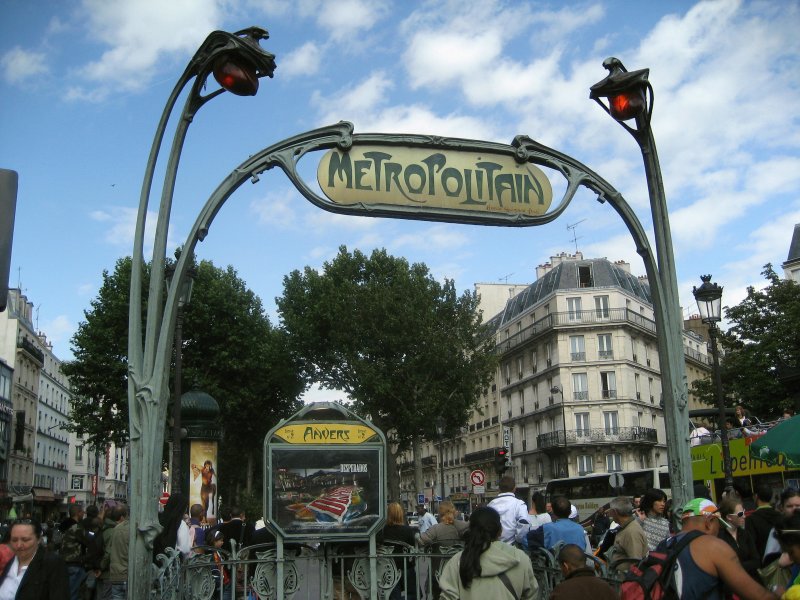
<point>578,388</point>
<point>51,456</point>
<point>6,421</point>
<point>791,267</point>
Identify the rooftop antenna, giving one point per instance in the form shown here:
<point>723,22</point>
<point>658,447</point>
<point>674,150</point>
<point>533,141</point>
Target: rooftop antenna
<point>38,306</point>
<point>575,237</point>
<point>504,278</point>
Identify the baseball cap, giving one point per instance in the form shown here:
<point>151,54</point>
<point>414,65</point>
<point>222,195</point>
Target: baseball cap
<point>701,507</point>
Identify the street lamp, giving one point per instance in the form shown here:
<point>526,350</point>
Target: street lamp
<point>629,96</point>
<point>236,60</point>
<point>186,285</point>
<point>440,427</point>
<point>709,302</point>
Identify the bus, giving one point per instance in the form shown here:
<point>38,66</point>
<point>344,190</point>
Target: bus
<point>748,472</point>
<point>590,492</point>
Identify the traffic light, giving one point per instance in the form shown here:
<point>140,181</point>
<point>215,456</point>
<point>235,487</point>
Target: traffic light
<point>501,459</point>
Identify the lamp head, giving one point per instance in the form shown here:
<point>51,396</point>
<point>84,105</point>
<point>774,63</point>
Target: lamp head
<point>624,92</point>
<point>709,300</point>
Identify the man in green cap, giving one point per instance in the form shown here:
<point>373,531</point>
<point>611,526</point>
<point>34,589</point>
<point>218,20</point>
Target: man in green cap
<point>707,561</point>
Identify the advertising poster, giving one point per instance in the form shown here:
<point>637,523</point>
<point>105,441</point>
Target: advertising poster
<point>203,476</point>
<point>331,491</point>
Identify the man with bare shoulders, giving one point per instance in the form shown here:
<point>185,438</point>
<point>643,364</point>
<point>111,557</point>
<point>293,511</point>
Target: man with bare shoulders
<point>708,561</point>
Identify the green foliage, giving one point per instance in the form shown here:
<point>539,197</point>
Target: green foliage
<point>404,347</point>
<point>230,351</point>
<point>762,347</point>
<point>99,372</point>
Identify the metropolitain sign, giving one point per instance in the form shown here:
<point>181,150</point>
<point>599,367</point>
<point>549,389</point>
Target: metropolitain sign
<point>441,179</point>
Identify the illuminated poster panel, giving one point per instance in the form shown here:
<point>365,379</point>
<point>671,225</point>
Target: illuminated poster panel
<point>335,491</point>
<point>203,478</point>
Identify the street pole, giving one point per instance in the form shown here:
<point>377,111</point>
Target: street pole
<point>176,406</point>
<point>630,96</point>
<point>440,427</point>
<point>722,418</point>
<point>236,61</point>
<point>709,303</point>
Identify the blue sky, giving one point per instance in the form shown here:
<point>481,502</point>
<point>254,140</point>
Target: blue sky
<point>83,83</point>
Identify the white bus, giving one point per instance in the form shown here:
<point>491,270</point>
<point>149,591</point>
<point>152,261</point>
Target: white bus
<point>590,492</point>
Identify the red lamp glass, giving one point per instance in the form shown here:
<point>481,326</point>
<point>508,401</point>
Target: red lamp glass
<point>627,105</point>
<point>236,75</point>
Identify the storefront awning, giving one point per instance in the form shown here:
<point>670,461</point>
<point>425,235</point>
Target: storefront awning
<point>43,495</point>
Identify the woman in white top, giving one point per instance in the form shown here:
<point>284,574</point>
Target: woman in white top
<point>33,573</point>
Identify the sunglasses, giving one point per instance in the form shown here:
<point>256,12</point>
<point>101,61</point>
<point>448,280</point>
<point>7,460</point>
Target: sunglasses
<point>739,514</point>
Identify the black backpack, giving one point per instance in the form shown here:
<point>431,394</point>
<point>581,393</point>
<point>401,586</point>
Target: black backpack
<point>654,577</point>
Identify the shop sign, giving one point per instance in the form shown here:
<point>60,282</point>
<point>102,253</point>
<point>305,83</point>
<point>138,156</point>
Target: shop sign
<point>325,433</point>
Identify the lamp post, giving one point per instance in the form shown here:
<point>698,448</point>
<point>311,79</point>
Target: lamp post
<point>628,95</point>
<point>440,427</point>
<point>565,463</point>
<point>236,61</point>
<point>185,297</point>
<point>709,301</point>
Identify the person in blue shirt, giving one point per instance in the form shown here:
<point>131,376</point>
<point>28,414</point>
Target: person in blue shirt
<point>562,529</point>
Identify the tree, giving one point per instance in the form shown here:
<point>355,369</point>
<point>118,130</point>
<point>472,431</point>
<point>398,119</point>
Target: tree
<point>405,348</point>
<point>761,349</point>
<point>98,374</point>
<point>230,350</point>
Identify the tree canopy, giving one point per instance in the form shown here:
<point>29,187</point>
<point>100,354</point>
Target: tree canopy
<point>404,347</point>
<point>761,349</point>
<point>230,350</point>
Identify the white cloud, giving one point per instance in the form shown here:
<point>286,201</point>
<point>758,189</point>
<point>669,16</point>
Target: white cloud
<point>120,223</point>
<point>345,19</point>
<point>59,329</point>
<point>20,65</point>
<point>302,61</point>
<point>138,35</point>
<point>439,237</point>
<point>276,209</point>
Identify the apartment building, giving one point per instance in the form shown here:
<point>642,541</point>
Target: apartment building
<point>578,388</point>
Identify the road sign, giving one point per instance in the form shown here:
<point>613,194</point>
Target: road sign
<point>163,500</point>
<point>478,489</point>
<point>477,477</point>
<point>420,498</point>
<point>616,480</point>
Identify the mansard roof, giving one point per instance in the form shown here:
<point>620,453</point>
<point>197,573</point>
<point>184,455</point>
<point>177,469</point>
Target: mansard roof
<point>564,277</point>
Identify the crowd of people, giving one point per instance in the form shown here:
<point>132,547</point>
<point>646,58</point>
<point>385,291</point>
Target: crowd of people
<point>722,551</point>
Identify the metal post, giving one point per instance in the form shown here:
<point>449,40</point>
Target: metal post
<point>723,432</point>
<point>441,468</point>
<point>176,406</point>
<point>635,88</point>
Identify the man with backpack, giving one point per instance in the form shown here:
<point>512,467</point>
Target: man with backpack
<point>579,579</point>
<point>197,535</point>
<point>73,549</point>
<point>630,541</point>
<point>693,564</point>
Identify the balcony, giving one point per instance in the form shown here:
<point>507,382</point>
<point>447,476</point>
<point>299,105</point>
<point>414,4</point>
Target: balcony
<point>26,345</point>
<point>597,435</point>
<point>480,456</point>
<point>578,356</point>
<point>605,354</point>
<point>584,395</point>
<point>608,394</point>
<point>583,317</point>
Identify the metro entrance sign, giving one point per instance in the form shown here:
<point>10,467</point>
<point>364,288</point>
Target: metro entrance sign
<point>395,175</point>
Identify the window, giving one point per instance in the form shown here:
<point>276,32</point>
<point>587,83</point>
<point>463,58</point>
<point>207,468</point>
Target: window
<point>604,349</point>
<point>577,347</point>
<point>611,422</point>
<point>585,276</point>
<point>534,365</point>
<point>549,353</point>
<point>580,386</point>
<point>519,367</point>
<point>636,384</point>
<point>78,453</point>
<point>574,309</point>
<point>608,384</point>
<point>601,307</point>
<point>582,424</point>
<point>508,373</point>
<point>585,464</point>
<point>613,462</point>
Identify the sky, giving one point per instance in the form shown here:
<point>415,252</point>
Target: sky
<point>83,84</point>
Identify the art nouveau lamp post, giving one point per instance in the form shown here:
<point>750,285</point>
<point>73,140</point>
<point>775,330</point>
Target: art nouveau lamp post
<point>709,302</point>
<point>628,96</point>
<point>236,61</point>
<point>440,427</point>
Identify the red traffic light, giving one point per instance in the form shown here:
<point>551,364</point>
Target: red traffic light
<point>501,453</point>
<point>627,105</point>
<point>236,75</point>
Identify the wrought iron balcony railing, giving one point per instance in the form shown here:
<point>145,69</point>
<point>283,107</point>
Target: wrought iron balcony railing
<point>597,434</point>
